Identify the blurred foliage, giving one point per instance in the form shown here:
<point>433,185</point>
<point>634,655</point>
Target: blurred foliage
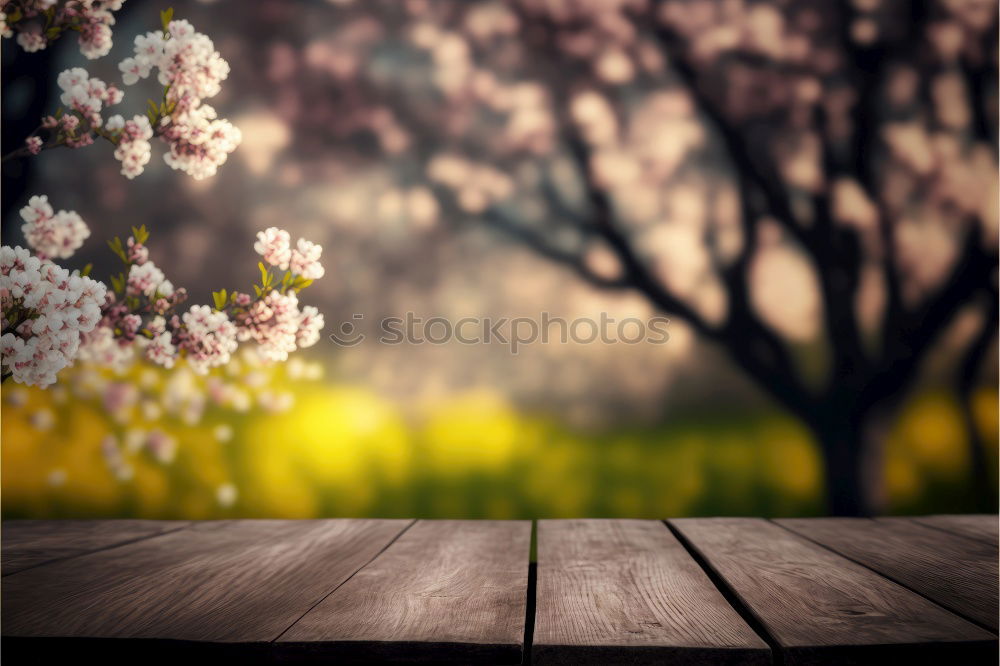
<point>344,451</point>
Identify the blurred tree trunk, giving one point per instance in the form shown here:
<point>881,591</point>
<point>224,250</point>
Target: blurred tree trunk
<point>983,496</point>
<point>842,454</point>
<point>851,438</point>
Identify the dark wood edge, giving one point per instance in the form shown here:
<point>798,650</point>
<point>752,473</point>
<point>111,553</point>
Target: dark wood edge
<point>113,650</point>
<point>405,652</point>
<point>643,655</point>
<point>944,652</point>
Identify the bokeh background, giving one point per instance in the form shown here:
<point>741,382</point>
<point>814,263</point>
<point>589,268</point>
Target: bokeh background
<point>390,132</point>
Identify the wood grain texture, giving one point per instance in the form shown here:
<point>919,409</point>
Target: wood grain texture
<point>233,584</point>
<point>982,527</point>
<point>29,543</point>
<point>448,590</point>
<point>959,573</point>
<point>627,592</point>
<point>821,608</point>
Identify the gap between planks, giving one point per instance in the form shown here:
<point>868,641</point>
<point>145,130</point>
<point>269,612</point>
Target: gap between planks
<point>898,580</point>
<point>799,642</point>
<point>531,603</point>
<point>730,596</point>
<point>717,580</point>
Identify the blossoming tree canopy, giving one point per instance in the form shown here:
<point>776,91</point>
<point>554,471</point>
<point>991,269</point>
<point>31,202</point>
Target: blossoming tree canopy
<point>51,316</point>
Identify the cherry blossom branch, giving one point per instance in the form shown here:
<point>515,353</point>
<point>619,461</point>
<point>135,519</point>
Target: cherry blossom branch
<point>190,69</point>
<point>57,317</point>
<point>39,23</point>
<point>67,137</point>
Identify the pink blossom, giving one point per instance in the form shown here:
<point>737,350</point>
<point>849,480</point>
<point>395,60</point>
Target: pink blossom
<point>52,309</point>
<point>188,63</point>
<point>305,260</point>
<point>134,150</point>
<point>143,279</point>
<point>208,338</point>
<point>86,96</point>
<point>92,19</point>
<point>310,323</point>
<point>274,245</point>
<point>161,350</point>
<point>52,234</point>
<point>32,41</point>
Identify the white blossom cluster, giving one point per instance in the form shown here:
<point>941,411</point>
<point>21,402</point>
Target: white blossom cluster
<point>133,149</point>
<point>140,315</point>
<point>147,279</point>
<point>208,337</point>
<point>278,326</point>
<point>275,322</point>
<point>86,95</point>
<point>91,19</point>
<point>100,347</point>
<point>187,62</point>
<point>49,233</point>
<point>274,245</point>
<point>46,310</point>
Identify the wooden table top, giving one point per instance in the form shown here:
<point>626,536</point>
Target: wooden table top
<point>685,591</point>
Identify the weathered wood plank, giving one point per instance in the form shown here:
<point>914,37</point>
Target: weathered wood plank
<point>29,543</point>
<point>234,584</point>
<point>982,527</point>
<point>956,572</point>
<point>627,592</point>
<point>822,608</point>
<point>448,590</point>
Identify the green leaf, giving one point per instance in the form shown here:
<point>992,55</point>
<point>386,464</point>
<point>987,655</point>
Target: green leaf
<point>140,234</point>
<point>116,247</point>
<point>258,290</point>
<point>263,273</point>
<point>166,16</point>
<point>86,270</point>
<point>220,299</point>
